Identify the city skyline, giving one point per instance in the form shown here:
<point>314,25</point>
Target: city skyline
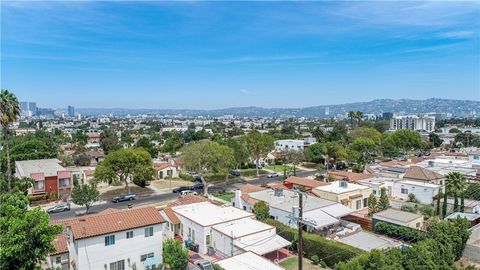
<point>211,55</point>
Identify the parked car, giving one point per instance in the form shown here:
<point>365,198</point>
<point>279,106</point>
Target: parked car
<point>235,173</point>
<point>205,265</point>
<point>272,175</point>
<point>180,189</point>
<point>59,208</point>
<point>186,192</point>
<point>194,257</point>
<point>124,197</point>
<point>196,186</point>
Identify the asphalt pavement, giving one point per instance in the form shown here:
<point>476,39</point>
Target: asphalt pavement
<point>233,184</point>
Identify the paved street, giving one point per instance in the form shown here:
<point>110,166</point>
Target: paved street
<point>170,196</point>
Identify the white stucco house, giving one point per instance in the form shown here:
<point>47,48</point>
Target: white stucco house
<point>114,239</point>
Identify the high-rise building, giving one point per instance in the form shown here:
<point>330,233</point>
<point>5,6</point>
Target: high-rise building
<point>387,115</point>
<point>71,111</point>
<point>327,110</point>
<point>32,106</point>
<point>413,122</point>
<point>24,106</point>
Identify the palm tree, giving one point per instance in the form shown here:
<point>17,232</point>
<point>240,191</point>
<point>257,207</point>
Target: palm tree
<point>9,112</point>
<point>351,115</point>
<point>359,116</point>
<point>455,184</point>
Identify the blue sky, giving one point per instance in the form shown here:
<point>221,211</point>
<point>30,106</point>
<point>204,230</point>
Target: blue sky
<point>223,54</point>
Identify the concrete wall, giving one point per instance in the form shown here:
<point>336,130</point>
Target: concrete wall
<point>472,249</point>
<point>423,194</point>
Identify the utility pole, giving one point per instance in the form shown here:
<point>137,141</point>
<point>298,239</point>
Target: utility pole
<point>300,231</point>
<point>300,223</point>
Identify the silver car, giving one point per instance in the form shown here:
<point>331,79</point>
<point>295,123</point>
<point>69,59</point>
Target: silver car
<point>59,208</point>
<point>272,175</point>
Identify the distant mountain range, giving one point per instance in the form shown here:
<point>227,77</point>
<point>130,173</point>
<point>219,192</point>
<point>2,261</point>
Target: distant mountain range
<point>377,106</point>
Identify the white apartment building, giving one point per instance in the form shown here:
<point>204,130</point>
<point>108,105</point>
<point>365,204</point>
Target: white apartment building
<point>413,122</point>
<point>299,145</point>
<point>114,240</point>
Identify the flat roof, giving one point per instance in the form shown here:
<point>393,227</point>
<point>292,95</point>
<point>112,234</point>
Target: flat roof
<point>208,214</point>
<point>397,215</point>
<point>288,199</point>
<point>242,227</point>
<point>49,167</point>
<point>335,187</point>
<point>368,241</point>
<point>419,184</point>
<point>248,260</point>
<point>263,245</point>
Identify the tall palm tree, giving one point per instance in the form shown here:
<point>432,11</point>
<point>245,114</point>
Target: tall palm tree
<point>359,116</point>
<point>455,184</point>
<point>351,115</point>
<point>9,112</point>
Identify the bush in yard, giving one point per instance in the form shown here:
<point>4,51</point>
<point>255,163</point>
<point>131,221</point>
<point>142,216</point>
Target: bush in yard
<point>262,211</point>
<point>35,198</point>
<point>412,198</point>
<point>396,231</point>
<point>329,251</point>
<point>427,210</point>
<point>217,267</point>
<point>175,255</point>
<point>408,208</point>
<point>315,259</point>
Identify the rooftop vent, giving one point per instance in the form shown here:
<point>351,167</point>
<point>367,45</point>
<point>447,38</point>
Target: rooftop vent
<point>278,192</point>
<point>343,184</point>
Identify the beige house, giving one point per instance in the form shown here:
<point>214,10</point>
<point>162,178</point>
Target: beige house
<point>398,217</point>
<point>166,170</point>
<point>349,194</point>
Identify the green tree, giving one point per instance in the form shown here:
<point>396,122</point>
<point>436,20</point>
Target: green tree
<point>366,146</point>
<point>294,157</point>
<point>473,191</point>
<point>124,164</point>
<point>261,210</point>
<point>445,204</point>
<point>258,145</point>
<point>85,195</point>
<point>315,152</point>
<point>434,139</point>
<point>372,204</point>
<point>9,112</point>
<point>366,132</point>
<point>455,184</point>
<point>26,237</point>
<point>207,157</point>
<point>334,151</point>
<point>384,202</point>
<point>239,151</point>
<point>404,139</point>
<point>175,255</point>
<point>109,141</point>
<point>146,144</point>
<point>351,115</point>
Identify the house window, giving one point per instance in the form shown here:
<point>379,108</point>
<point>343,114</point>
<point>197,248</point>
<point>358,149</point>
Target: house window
<point>145,256</point>
<point>244,208</point>
<point>148,231</point>
<point>39,185</point>
<point>365,202</point>
<point>64,182</point>
<point>58,259</point>
<point>374,192</point>
<point>208,239</point>
<point>129,234</point>
<point>358,204</point>
<point>109,240</point>
<point>119,265</point>
<point>404,191</point>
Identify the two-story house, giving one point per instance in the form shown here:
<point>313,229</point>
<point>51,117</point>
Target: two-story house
<point>114,239</point>
<point>50,177</point>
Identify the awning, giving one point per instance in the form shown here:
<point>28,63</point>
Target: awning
<point>152,261</point>
<point>337,210</point>
<point>262,246</point>
<point>319,218</point>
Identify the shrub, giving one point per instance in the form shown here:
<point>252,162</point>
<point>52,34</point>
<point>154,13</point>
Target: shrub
<point>313,244</point>
<point>35,198</point>
<point>408,208</point>
<point>412,198</point>
<point>315,259</point>
<point>310,165</point>
<point>396,231</point>
<point>186,177</point>
<point>427,210</point>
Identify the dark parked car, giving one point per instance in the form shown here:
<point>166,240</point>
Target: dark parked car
<point>180,189</point>
<point>124,197</point>
<point>205,265</point>
<point>196,186</point>
<point>235,173</point>
<point>59,208</point>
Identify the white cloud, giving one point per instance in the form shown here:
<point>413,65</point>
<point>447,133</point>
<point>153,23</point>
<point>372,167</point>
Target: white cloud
<point>245,91</point>
<point>456,34</point>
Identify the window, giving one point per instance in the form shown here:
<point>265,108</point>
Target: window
<point>365,202</point>
<point>109,240</point>
<point>39,185</point>
<point>404,191</point>
<point>145,256</point>
<point>244,208</point>
<point>208,239</point>
<point>358,204</point>
<point>374,192</point>
<point>58,259</point>
<point>129,234</point>
<point>148,231</point>
<point>119,265</point>
<point>64,182</point>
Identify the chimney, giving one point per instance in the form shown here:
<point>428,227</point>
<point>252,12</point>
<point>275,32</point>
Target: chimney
<point>237,201</point>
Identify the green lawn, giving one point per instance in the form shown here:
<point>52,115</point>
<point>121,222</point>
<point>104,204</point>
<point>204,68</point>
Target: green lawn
<point>279,168</point>
<point>226,196</point>
<point>292,264</point>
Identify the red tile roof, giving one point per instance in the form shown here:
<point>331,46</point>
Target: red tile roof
<point>300,181</point>
<point>171,215</point>
<point>111,221</point>
<point>188,199</point>
<point>350,176</point>
<point>161,166</point>
<point>60,244</point>
<point>419,173</point>
<point>249,188</point>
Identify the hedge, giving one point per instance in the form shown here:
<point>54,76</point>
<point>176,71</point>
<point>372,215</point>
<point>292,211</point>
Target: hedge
<point>329,251</point>
<point>34,198</point>
<point>396,231</point>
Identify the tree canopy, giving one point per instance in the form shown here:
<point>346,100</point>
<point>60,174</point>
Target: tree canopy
<point>258,145</point>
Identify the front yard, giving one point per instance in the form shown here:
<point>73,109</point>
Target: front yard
<point>292,264</point>
<point>225,196</point>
